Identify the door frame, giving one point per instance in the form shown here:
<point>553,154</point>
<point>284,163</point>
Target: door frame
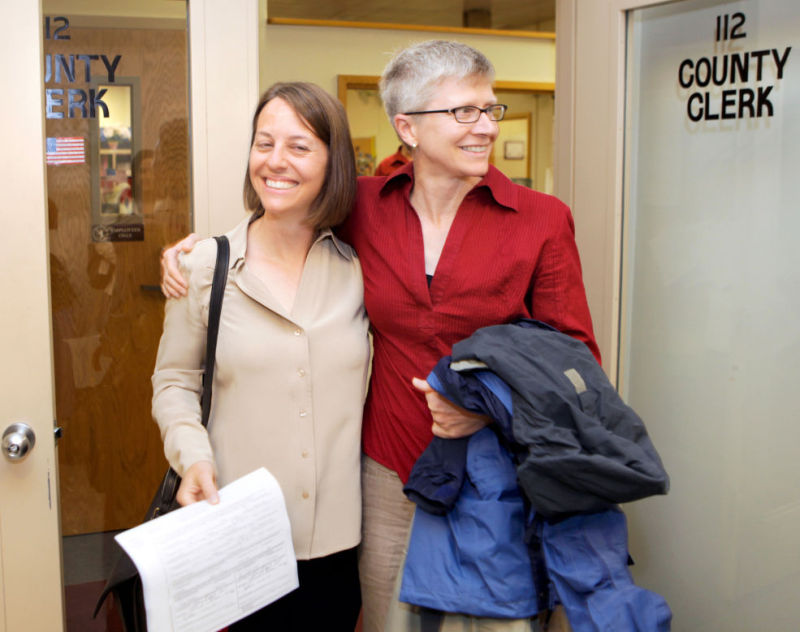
<point>31,593</point>
<point>589,149</point>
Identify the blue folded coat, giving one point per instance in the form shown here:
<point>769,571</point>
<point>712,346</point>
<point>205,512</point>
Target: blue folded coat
<point>468,552</point>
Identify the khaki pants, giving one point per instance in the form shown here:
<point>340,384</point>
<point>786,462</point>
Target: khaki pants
<point>386,523</point>
<point>386,527</point>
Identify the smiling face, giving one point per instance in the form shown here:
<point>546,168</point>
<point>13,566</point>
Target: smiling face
<point>445,146</point>
<point>287,162</point>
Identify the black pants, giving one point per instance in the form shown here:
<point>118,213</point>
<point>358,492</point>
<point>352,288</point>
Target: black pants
<point>329,599</point>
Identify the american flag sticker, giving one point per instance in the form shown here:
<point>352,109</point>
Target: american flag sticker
<point>65,150</point>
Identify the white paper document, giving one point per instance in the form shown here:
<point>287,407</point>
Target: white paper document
<point>205,566</point>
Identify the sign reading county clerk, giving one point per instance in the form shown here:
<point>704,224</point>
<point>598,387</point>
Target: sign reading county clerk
<point>747,77</point>
<point>71,69</point>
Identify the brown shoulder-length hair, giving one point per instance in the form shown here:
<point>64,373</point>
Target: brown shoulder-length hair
<point>325,116</point>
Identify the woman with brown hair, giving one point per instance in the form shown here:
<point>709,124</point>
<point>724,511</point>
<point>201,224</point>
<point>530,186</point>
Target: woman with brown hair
<point>292,355</point>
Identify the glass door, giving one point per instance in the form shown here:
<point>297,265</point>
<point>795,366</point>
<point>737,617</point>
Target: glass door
<point>711,296</point>
<point>118,173</point>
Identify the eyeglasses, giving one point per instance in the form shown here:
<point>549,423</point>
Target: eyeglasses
<point>470,113</point>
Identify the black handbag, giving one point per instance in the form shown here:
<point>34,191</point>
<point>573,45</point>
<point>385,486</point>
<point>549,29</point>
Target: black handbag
<point>124,582</point>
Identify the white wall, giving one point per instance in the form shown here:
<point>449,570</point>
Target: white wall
<point>319,54</point>
<point>224,91</point>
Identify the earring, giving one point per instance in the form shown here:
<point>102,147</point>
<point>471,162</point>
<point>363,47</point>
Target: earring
<point>413,145</point>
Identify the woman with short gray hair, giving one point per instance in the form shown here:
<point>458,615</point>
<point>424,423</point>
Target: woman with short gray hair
<point>448,244</point>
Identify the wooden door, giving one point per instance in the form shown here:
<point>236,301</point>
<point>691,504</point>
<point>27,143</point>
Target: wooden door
<point>109,215</point>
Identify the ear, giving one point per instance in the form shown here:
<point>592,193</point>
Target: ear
<point>406,129</point>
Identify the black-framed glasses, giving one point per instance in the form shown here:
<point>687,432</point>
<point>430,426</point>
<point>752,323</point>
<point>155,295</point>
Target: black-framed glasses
<point>470,113</point>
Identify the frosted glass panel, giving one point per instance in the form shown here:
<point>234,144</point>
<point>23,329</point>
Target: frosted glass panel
<point>711,308</point>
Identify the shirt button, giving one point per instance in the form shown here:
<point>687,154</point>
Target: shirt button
<point>305,454</point>
<point>301,372</point>
<point>305,495</point>
<point>303,413</point>
<point>297,332</point>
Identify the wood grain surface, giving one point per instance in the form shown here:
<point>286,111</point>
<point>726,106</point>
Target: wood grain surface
<point>107,319</point>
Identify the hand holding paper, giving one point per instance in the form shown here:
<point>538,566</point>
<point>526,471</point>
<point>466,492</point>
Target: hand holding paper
<point>205,566</point>
<point>198,483</point>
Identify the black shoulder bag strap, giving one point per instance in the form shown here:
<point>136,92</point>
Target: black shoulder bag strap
<point>214,311</point>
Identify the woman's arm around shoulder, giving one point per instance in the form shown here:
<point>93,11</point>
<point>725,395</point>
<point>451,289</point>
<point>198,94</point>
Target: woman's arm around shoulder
<point>173,283</point>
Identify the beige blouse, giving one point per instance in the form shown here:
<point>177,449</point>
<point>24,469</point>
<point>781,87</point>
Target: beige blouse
<point>288,387</point>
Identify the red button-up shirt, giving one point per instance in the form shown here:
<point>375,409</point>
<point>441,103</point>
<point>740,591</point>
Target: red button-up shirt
<point>510,254</point>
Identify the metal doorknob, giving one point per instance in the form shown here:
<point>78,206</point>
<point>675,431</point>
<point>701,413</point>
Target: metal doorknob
<point>18,441</point>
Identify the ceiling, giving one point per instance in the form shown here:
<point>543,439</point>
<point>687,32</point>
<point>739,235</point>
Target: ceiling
<point>503,14</point>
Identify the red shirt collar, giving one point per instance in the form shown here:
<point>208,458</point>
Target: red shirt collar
<point>502,190</point>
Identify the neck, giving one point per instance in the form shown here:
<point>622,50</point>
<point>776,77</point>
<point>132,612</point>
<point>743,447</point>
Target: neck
<point>280,240</point>
<point>438,197</point>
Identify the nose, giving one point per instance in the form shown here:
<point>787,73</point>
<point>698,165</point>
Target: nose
<point>276,159</point>
<point>485,125</point>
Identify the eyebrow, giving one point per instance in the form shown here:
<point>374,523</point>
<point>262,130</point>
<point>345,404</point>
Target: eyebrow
<point>304,137</point>
<point>486,104</point>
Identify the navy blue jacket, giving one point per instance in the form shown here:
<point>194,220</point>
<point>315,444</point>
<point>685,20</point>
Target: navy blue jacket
<point>579,450</point>
<point>584,449</point>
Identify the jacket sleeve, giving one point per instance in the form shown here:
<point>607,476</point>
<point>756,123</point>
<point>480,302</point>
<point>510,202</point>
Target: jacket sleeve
<point>178,376</point>
<point>558,296</point>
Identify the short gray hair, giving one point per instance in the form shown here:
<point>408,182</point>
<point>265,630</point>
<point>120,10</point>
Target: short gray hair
<point>410,79</point>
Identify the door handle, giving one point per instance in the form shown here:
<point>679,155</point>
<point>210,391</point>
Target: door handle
<point>18,441</point>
